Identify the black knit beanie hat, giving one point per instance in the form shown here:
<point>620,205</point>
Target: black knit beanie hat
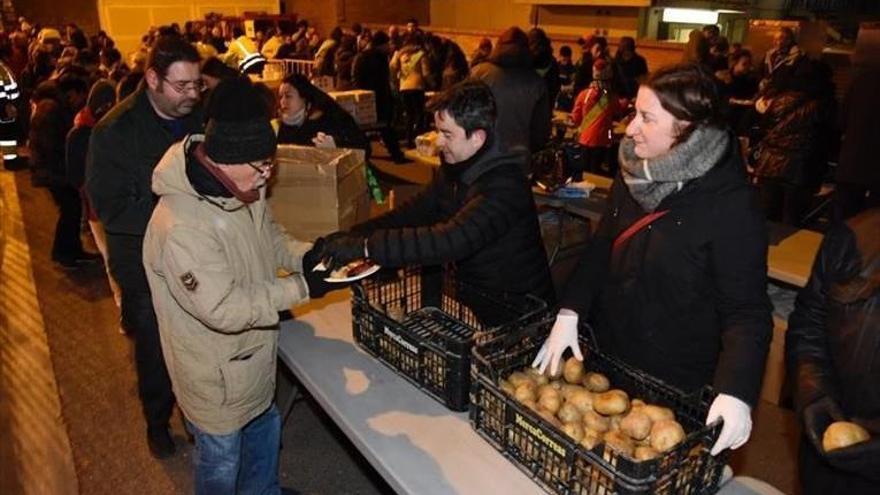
<point>238,129</point>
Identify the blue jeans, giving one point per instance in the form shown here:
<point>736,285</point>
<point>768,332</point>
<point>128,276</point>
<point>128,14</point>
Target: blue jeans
<point>242,462</point>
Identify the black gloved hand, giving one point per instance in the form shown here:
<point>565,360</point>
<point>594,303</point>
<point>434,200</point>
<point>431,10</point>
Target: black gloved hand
<point>320,245</point>
<point>817,417</point>
<point>341,248</point>
<point>314,255</point>
<point>861,458</point>
<point>318,287</point>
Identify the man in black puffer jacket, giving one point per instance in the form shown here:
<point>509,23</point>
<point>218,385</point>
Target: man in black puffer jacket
<point>832,349</point>
<point>478,213</point>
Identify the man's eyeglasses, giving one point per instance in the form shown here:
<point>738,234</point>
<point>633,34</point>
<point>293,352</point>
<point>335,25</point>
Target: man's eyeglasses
<point>183,86</point>
<point>262,166</point>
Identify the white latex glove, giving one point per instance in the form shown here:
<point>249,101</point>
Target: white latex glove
<point>737,416</point>
<point>564,335</point>
<point>322,140</point>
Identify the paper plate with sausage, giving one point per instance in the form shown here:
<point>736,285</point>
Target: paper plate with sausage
<point>353,271</point>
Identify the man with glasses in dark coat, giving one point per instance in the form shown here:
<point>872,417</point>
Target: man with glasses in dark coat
<point>124,148</point>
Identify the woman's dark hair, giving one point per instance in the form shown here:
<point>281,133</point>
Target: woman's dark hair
<point>689,92</point>
<point>470,103</point>
<point>311,94</point>
<point>626,43</point>
<point>336,34</point>
<point>455,67</point>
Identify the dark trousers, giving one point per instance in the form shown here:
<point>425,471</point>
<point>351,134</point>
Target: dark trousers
<point>817,477</point>
<point>385,112</point>
<point>139,318</point>
<point>391,141</point>
<point>67,245</point>
<point>596,157</point>
<point>783,202</point>
<point>414,113</point>
<point>593,158</point>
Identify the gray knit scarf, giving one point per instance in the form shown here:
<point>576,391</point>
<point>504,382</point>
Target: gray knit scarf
<point>650,181</point>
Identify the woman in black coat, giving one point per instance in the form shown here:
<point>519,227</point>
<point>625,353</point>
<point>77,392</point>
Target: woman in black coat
<point>674,282</point>
<point>309,117</point>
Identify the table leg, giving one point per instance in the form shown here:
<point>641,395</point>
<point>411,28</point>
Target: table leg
<point>287,392</point>
<point>560,215</point>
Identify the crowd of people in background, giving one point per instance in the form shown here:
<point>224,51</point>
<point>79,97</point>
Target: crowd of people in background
<point>782,107</point>
<point>783,103</point>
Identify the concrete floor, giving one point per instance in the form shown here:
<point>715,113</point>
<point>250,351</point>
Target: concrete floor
<point>93,384</point>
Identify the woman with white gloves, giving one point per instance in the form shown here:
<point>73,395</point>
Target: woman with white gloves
<point>674,281</point>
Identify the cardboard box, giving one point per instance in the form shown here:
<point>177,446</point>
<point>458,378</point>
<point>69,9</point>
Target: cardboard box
<point>324,83</point>
<point>318,191</point>
<point>426,144</point>
<point>360,103</point>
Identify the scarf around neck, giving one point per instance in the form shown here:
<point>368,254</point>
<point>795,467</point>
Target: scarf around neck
<point>652,180</point>
<point>210,166</point>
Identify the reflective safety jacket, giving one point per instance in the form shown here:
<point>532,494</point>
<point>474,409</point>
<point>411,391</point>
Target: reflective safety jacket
<point>9,93</point>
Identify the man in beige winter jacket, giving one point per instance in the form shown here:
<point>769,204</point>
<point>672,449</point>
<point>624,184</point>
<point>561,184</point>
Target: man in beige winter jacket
<point>212,253</point>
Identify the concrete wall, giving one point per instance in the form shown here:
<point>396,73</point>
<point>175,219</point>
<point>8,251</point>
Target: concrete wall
<point>561,19</point>
<point>327,14</point>
<point>127,20</point>
<point>385,11</point>
<point>606,21</point>
<point>323,14</point>
<point>57,13</point>
<point>480,14</point>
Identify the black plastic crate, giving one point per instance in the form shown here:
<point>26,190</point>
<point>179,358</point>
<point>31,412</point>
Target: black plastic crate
<point>418,322</point>
<point>562,466</point>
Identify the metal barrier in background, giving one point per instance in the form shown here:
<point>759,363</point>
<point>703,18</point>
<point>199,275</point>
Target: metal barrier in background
<point>279,68</point>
